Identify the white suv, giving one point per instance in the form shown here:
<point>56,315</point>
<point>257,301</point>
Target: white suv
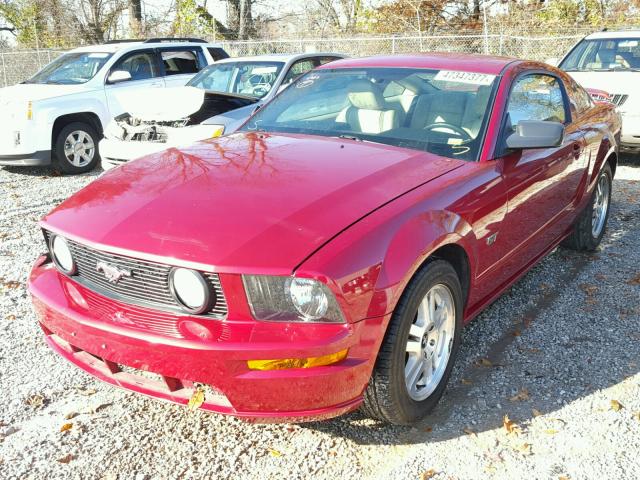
<point>610,61</point>
<point>57,116</point>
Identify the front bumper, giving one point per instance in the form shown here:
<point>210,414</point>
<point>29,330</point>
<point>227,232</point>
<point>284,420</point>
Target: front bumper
<point>41,158</point>
<point>116,152</point>
<point>108,339</point>
<point>630,134</point>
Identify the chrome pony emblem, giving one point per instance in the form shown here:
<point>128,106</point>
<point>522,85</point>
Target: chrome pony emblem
<point>113,273</point>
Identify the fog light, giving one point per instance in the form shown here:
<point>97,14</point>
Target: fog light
<point>285,363</point>
<point>61,255</point>
<point>189,289</point>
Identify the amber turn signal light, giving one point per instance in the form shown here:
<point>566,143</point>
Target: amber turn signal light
<point>285,363</point>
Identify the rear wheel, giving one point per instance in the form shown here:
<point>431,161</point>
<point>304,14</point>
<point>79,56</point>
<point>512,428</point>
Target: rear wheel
<point>419,348</point>
<point>76,148</point>
<point>592,222</point>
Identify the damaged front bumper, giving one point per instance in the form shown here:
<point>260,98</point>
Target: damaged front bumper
<point>123,143</point>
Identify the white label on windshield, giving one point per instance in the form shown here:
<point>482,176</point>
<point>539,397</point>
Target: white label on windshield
<point>628,43</point>
<point>464,77</point>
<point>98,55</point>
<point>260,70</point>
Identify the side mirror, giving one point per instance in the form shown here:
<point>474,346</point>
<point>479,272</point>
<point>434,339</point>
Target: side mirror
<point>553,61</point>
<point>536,134</point>
<point>118,76</point>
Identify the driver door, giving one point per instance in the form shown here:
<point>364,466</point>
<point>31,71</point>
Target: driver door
<point>542,184</point>
<point>145,73</point>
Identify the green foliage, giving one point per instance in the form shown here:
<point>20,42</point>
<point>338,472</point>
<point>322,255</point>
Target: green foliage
<point>193,19</point>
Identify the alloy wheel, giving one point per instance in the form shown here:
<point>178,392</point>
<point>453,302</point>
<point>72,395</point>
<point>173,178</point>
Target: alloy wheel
<point>429,343</point>
<point>79,148</point>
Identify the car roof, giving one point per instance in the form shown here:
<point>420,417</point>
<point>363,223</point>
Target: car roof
<point>614,34</point>
<point>280,57</point>
<point>134,45</point>
<point>437,61</point>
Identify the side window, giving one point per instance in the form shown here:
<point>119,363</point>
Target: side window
<point>299,68</point>
<point>536,97</point>
<point>217,53</point>
<point>141,65</point>
<point>579,97</point>
<point>180,62</point>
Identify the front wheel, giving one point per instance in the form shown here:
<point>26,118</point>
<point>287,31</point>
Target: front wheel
<point>76,148</point>
<point>592,223</point>
<point>419,348</point>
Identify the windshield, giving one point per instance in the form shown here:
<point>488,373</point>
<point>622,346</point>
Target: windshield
<point>438,111</point>
<point>71,68</point>
<point>252,79</point>
<point>604,55</point>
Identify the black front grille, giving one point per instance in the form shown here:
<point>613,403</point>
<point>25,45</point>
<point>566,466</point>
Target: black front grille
<point>147,285</point>
<point>619,99</point>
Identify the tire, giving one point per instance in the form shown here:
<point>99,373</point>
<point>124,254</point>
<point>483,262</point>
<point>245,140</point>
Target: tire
<point>388,396</point>
<point>80,160</point>
<point>586,235</point>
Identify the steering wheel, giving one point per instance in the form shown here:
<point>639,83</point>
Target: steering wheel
<point>459,131</point>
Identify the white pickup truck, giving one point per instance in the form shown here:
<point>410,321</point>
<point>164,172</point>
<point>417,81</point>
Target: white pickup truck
<point>57,116</point>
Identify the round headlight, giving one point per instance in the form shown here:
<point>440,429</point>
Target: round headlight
<point>309,298</point>
<point>189,289</point>
<point>61,254</point>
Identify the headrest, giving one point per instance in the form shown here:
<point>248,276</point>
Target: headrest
<point>366,96</point>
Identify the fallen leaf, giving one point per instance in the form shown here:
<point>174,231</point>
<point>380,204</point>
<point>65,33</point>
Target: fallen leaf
<point>522,395</point>
<point>551,431</point>
<point>490,469</point>
<point>590,290</point>
<point>510,426</point>
<point>524,449</point>
<point>470,432</point>
<point>516,333</point>
<point>66,427</point>
<point>197,399</point>
<point>86,392</point>
<point>563,477</point>
<point>428,474</point>
<point>616,406</point>
<point>635,280</point>
<point>10,317</point>
<point>66,459</point>
<point>464,381</point>
<point>536,412</point>
<point>430,429</point>
<point>636,415</point>
<point>274,452</point>
<point>34,401</point>
<point>484,362</point>
<point>70,415</point>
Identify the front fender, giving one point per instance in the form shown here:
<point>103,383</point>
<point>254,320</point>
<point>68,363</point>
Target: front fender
<point>371,263</point>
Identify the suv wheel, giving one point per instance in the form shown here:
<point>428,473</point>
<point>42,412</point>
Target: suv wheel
<point>76,148</point>
<point>419,348</point>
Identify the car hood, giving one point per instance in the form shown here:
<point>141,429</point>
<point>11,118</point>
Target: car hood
<point>614,83</point>
<point>25,92</point>
<point>178,102</point>
<point>248,202</point>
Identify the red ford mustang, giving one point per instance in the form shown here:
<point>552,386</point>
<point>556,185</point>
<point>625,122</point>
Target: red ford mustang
<point>329,253</point>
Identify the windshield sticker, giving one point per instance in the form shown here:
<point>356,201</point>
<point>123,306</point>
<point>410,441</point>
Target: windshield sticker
<point>98,55</point>
<point>308,80</point>
<point>464,77</point>
<point>260,70</point>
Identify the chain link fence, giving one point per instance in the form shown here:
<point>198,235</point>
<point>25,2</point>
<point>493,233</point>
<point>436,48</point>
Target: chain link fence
<point>18,65</point>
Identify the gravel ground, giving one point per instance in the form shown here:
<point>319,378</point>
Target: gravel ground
<point>559,354</point>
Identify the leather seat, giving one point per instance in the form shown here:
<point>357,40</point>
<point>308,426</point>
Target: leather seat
<point>369,112</point>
